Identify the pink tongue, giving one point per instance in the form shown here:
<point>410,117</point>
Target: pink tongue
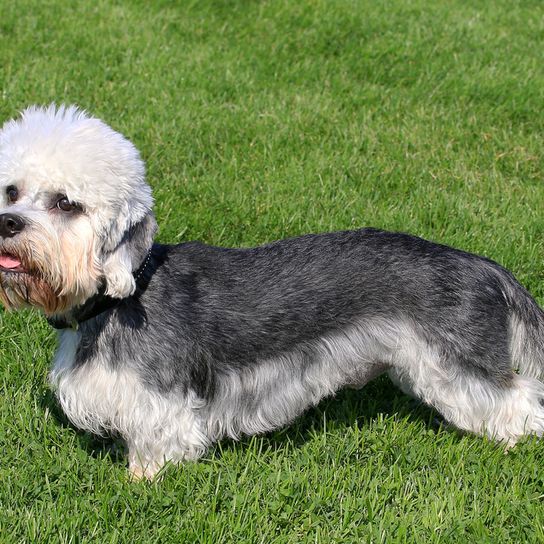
<point>6,261</point>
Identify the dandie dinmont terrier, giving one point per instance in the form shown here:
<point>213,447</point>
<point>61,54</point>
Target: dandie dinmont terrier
<point>173,347</point>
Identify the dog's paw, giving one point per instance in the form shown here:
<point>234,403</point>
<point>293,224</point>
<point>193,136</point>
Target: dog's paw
<point>138,471</point>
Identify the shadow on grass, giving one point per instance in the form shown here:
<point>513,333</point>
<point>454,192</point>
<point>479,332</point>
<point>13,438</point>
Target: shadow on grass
<point>349,407</point>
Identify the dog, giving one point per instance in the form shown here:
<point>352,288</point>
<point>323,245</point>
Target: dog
<point>174,347</point>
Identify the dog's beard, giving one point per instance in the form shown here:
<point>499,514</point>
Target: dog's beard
<point>46,271</point>
<point>22,284</point>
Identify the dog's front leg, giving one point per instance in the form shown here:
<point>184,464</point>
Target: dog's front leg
<point>161,430</point>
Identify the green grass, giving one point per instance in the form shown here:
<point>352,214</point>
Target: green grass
<point>261,120</point>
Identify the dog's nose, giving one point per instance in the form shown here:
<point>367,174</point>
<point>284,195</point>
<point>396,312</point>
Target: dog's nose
<point>10,225</point>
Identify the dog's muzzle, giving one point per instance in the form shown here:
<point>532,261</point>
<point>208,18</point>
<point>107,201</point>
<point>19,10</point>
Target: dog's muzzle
<point>10,225</point>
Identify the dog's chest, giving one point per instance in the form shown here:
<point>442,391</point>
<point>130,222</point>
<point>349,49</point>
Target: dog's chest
<point>94,396</point>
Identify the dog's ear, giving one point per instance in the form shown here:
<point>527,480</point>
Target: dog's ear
<point>119,263</point>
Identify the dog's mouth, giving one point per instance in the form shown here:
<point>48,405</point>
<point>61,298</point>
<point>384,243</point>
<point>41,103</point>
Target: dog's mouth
<point>11,264</point>
<point>22,285</point>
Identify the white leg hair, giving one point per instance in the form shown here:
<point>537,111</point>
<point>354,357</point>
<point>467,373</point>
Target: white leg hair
<point>99,399</point>
<point>504,413</point>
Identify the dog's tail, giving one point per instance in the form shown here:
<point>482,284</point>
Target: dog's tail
<point>526,331</point>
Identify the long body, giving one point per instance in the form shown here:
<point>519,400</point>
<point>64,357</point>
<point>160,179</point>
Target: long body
<point>231,341</point>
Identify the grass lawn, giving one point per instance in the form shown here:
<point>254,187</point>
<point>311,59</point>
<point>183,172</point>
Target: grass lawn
<point>262,120</point>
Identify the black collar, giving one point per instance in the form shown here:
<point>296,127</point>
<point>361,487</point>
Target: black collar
<point>98,303</point>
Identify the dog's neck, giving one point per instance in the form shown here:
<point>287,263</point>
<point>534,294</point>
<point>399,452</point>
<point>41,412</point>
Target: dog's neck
<point>100,302</point>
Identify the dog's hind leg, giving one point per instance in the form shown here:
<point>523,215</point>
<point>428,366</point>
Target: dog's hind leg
<point>504,410</point>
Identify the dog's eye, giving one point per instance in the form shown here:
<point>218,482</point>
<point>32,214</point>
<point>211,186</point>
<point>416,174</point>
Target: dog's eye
<point>12,193</point>
<point>66,206</point>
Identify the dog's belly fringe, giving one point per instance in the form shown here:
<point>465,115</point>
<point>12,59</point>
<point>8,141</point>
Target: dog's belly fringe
<point>159,427</point>
<point>101,398</point>
<point>274,392</point>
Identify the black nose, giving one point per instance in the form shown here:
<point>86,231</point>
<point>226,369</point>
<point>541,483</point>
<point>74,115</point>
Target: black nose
<point>10,225</point>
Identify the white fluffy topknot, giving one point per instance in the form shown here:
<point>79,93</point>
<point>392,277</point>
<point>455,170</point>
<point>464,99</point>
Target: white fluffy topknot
<point>64,148</point>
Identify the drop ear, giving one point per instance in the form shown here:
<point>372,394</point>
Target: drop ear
<point>117,267</point>
<point>119,264</point>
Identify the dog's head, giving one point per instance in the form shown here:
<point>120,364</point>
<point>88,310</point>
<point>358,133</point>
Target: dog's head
<point>75,210</point>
